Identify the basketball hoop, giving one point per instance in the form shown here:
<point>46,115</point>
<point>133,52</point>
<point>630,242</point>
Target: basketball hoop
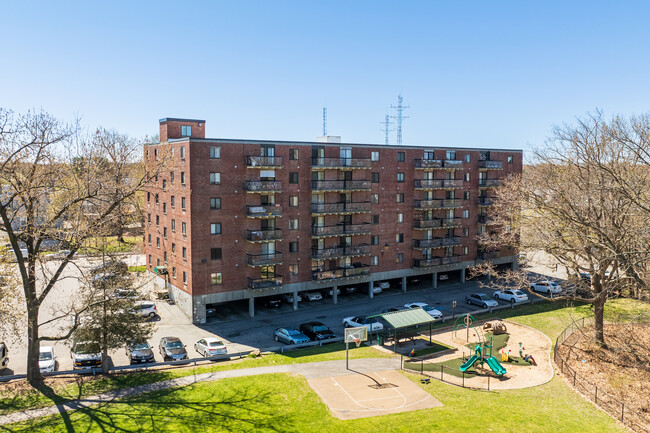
<point>357,341</point>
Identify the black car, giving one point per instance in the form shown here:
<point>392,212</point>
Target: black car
<point>316,331</point>
<point>273,303</point>
<point>210,310</point>
<point>172,349</point>
<point>139,352</point>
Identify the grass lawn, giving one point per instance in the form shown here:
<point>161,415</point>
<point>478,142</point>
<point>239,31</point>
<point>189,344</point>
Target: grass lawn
<point>137,268</point>
<point>285,403</point>
<point>111,245</point>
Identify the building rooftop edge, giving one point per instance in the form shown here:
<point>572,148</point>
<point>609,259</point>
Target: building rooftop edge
<point>178,119</point>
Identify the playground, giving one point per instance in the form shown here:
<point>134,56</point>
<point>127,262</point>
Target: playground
<point>506,354</point>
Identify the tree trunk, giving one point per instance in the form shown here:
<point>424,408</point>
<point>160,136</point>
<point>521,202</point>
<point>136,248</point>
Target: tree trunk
<point>599,310</point>
<point>34,376</point>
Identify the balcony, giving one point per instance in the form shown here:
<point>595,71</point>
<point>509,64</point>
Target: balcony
<point>438,204</point>
<point>451,222</point>
<point>482,219</point>
<point>356,271</point>
<point>488,255</point>
<point>263,161</point>
<point>341,229</point>
<point>270,235</point>
<point>485,201</point>
<point>425,263</point>
<point>271,281</point>
<point>435,243</point>
<point>340,163</point>
<point>425,224</point>
<point>438,183</point>
<point>264,211</point>
<point>448,260</point>
<point>265,259</point>
<point>342,208</point>
<point>336,252</point>
<point>490,165</point>
<point>439,164</point>
<point>263,186</point>
<point>340,185</point>
<point>488,183</point>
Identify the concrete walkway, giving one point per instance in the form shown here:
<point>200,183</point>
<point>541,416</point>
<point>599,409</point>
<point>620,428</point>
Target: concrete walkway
<point>309,370</point>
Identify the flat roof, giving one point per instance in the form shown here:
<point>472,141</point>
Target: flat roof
<point>406,318</point>
<point>178,119</point>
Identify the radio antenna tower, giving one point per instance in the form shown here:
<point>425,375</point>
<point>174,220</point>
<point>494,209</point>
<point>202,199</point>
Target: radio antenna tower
<point>400,116</point>
<point>387,129</point>
<point>324,121</point>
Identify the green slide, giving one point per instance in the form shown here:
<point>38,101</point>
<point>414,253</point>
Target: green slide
<point>494,365</point>
<point>469,363</point>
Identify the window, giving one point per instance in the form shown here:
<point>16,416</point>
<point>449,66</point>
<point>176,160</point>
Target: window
<point>158,242</point>
<point>374,240</point>
<point>467,158</point>
<point>465,231</point>
<point>157,220</point>
<point>155,153</point>
<point>173,248</point>
<point>374,156</point>
<point>165,257</point>
<point>375,219</point>
<point>182,178</point>
<point>451,154</point>
<point>293,177</point>
<point>509,159</point>
<point>400,177</point>
<point>465,250</point>
<point>165,232</point>
<point>171,177</point>
<point>215,228</point>
<point>174,272</point>
<point>374,198</point>
<point>399,238</point>
<point>215,202</point>
<point>165,208</point>
<point>481,229</point>
<point>149,239</point>
<point>466,213</point>
<point>156,199</point>
<point>182,152</point>
<point>184,277</point>
<point>148,217</point>
<point>400,197</point>
<point>183,203</point>
<point>149,259</point>
<point>400,156</point>
<point>293,224</point>
<point>215,278</point>
<point>215,178</point>
<point>174,225</point>
<point>375,177</point>
<point>186,131</point>
<point>466,177</point>
<point>184,228</point>
<point>400,217</point>
<point>164,184</point>
<point>172,202</point>
<point>507,229</point>
<point>293,200</point>
<point>293,270</point>
<point>184,253</point>
<point>215,152</point>
<point>429,155</point>
<point>293,247</point>
<point>215,253</point>
<point>293,154</point>
<point>399,258</point>
<point>374,261</point>
<point>466,195</point>
<point>148,197</point>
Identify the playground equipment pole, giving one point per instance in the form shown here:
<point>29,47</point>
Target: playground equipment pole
<point>346,356</point>
<point>467,326</point>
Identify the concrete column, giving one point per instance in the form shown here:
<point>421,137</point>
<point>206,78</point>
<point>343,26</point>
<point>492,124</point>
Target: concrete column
<point>514,265</point>
<point>295,300</point>
<point>251,307</point>
<point>435,280</point>
<point>404,284</point>
<point>462,275</point>
<point>370,293</point>
<point>335,297</point>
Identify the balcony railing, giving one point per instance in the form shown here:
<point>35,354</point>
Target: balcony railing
<point>337,208</point>
<point>490,165</point>
<point>438,204</point>
<point>346,251</point>
<point>356,271</point>
<point>340,229</point>
<point>264,235</point>
<point>340,185</point>
<point>482,219</point>
<point>428,163</point>
<point>489,182</point>
<point>264,211</point>
<point>263,186</point>
<point>265,259</point>
<point>484,201</point>
<point>488,255</point>
<point>438,183</point>
<point>448,260</point>
<point>452,222</point>
<point>269,282</point>
<point>425,263</point>
<point>340,163</point>
<point>436,242</point>
<point>263,161</point>
<point>427,223</point>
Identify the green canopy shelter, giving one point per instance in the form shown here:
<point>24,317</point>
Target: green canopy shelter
<point>405,319</point>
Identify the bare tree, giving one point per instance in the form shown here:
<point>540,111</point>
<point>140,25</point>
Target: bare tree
<point>58,185</point>
<point>578,203</point>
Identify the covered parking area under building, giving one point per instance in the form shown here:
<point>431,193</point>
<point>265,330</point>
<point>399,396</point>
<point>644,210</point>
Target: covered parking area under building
<point>402,320</point>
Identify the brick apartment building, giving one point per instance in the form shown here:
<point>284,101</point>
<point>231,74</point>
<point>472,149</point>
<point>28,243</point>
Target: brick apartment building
<point>234,220</point>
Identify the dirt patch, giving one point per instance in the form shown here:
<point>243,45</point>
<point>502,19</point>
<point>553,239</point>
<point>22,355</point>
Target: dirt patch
<point>622,369</point>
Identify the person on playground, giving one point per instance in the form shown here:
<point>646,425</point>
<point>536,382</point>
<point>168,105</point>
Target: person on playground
<point>412,353</point>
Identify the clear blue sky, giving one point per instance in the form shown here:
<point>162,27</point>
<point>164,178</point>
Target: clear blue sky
<point>477,74</point>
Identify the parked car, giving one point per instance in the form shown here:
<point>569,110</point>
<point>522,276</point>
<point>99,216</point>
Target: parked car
<point>522,259</point>
<point>110,267</point>
<point>414,280</point>
<point>481,299</point>
<point>288,297</point>
<point>376,290</point>
<point>46,359</point>
<point>330,292</point>
<point>393,309</point>
<point>349,290</point>
<point>384,284</point>
<point>273,302</point>
<point>59,255</point>
<point>210,310</point>
<point>290,336</point>
<point>125,293</point>
<point>511,296</point>
<point>210,346</point>
<point>586,277</point>
<point>436,314</point>
<point>145,308</point>
<point>172,349</point>
<point>316,331</point>
<point>4,355</point>
<point>86,354</point>
<point>313,296</point>
<point>548,287</point>
<point>359,321</point>
<point>139,352</point>
<point>443,277</point>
